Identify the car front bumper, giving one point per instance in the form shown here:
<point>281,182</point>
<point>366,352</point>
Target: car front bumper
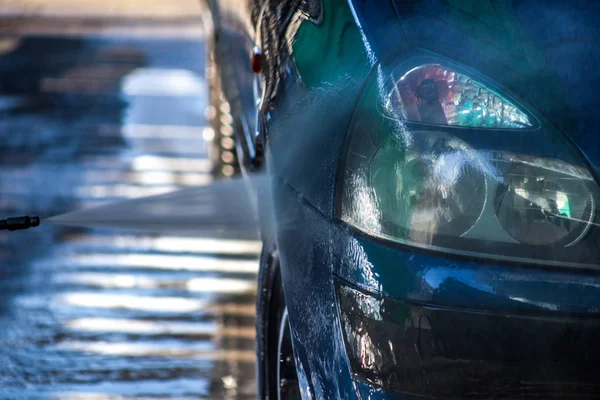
<point>458,329</point>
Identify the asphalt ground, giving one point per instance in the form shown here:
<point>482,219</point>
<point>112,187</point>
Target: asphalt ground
<point>92,117</point>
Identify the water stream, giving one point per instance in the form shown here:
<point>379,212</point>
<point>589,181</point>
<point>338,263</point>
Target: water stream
<point>223,209</point>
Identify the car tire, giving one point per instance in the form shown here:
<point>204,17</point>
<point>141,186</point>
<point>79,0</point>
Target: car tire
<point>277,377</point>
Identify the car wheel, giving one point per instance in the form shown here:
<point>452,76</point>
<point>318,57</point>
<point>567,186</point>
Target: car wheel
<point>222,149</point>
<point>277,376</point>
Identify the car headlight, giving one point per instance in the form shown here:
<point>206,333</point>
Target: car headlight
<point>439,160</point>
<point>437,95</point>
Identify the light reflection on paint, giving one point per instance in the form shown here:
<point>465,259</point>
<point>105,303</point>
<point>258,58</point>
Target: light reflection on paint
<point>545,305</point>
<point>435,277</point>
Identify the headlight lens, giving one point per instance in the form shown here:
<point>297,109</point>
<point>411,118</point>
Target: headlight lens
<point>505,193</point>
<point>437,186</point>
<point>437,95</point>
<point>538,206</point>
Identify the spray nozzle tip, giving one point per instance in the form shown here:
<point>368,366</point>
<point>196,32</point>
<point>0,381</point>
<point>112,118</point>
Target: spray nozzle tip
<point>19,223</point>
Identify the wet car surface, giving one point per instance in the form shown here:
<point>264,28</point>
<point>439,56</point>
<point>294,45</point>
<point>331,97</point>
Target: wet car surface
<point>98,313</point>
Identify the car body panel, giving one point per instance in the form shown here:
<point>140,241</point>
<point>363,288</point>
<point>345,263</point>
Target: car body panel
<point>323,79</point>
<point>494,313</point>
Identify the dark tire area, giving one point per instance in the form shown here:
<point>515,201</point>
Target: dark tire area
<point>277,377</point>
<point>270,306</point>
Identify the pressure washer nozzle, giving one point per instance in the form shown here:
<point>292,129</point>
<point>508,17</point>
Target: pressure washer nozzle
<point>18,223</point>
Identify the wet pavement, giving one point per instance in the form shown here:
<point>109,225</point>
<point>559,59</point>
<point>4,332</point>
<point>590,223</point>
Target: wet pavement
<point>102,314</point>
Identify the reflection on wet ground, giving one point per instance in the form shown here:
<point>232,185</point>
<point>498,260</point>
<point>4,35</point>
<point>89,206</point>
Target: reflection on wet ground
<point>89,313</point>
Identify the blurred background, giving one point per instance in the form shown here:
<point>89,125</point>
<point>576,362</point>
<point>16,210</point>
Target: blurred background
<point>102,100</point>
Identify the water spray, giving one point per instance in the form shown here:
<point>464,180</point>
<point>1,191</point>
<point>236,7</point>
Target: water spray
<point>222,209</point>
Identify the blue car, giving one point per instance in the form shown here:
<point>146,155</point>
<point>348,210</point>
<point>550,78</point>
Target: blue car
<point>434,169</point>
